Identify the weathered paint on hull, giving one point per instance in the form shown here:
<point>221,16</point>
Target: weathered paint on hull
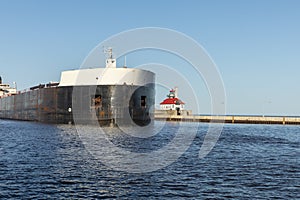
<point>105,104</point>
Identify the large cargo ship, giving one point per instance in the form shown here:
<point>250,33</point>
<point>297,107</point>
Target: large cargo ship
<point>110,95</point>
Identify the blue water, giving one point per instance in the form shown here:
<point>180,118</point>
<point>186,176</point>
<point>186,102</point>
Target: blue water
<point>39,161</point>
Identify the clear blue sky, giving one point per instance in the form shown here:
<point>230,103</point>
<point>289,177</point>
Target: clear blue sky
<point>255,43</point>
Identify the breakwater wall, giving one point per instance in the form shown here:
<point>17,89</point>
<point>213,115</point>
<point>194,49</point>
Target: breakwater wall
<point>231,119</point>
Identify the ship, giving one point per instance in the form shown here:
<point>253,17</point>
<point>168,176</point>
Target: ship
<point>109,95</point>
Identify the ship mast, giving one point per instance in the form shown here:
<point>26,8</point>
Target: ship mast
<point>110,61</point>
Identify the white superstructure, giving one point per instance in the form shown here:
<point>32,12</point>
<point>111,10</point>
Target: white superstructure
<point>6,90</point>
<point>110,75</point>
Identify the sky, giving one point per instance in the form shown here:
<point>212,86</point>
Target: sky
<point>254,43</point>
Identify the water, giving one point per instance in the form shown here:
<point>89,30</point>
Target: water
<point>249,162</point>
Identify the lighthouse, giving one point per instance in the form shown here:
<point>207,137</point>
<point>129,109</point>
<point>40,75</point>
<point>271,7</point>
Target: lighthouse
<point>172,102</point>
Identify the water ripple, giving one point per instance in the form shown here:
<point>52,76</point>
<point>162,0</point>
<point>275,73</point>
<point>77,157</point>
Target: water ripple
<point>39,161</point>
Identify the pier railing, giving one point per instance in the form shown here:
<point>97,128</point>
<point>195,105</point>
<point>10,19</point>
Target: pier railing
<point>231,119</point>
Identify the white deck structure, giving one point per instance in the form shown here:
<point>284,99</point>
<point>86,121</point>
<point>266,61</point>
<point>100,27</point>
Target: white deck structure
<point>110,75</point>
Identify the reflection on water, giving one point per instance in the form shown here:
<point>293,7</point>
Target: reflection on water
<point>249,161</point>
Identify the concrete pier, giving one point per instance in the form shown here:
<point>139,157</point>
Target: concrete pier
<point>233,119</point>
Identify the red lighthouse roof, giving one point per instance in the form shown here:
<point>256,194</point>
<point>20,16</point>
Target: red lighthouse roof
<point>172,101</point>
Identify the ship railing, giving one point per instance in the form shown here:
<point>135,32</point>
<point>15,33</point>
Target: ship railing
<point>40,86</point>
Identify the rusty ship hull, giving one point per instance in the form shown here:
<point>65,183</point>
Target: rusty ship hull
<point>106,104</point>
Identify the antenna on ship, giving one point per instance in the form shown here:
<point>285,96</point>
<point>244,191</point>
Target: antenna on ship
<point>125,62</point>
<point>110,61</point>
